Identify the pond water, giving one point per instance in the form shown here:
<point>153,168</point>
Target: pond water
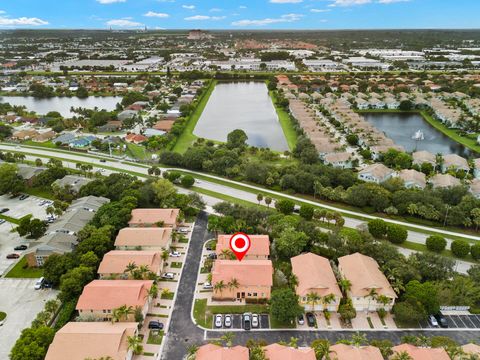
<point>246,106</point>
<point>62,104</point>
<point>401,128</point>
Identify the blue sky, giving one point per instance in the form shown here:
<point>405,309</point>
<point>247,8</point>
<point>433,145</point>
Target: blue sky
<point>240,14</point>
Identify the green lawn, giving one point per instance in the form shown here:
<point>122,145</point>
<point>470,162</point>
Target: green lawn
<point>46,144</point>
<point>155,337</point>
<point>44,193</point>
<point>136,151</point>
<point>286,123</point>
<point>20,270</point>
<point>168,296</point>
<point>187,137</point>
<point>200,315</point>
<point>177,265</point>
<point>447,253</point>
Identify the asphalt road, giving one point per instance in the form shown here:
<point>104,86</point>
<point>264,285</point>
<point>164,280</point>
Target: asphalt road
<point>183,333</point>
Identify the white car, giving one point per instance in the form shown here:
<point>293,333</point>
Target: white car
<point>175,254</point>
<point>255,321</point>
<point>227,321</point>
<point>39,283</point>
<point>207,286</point>
<point>432,321</point>
<point>218,321</point>
<point>168,276</point>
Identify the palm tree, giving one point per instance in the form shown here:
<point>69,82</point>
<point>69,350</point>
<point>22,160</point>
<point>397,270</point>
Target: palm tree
<point>293,342</point>
<point>130,268</point>
<point>233,284</point>
<point>192,351</point>
<point>227,254</point>
<point>403,355</point>
<point>219,286</point>
<point>135,344</point>
<point>259,198</point>
<point>372,295</point>
<point>326,300</point>
<point>345,286</point>
<point>322,349</point>
<point>359,339</point>
<point>165,255</point>
<point>143,270</point>
<point>313,298</point>
<point>227,338</point>
<point>268,201</point>
<point>153,291</point>
<point>121,313</point>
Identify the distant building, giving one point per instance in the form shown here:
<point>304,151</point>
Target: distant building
<point>351,352</point>
<point>444,181</point>
<point>155,238</point>
<point>215,352</point>
<point>377,173</point>
<point>421,353</point>
<point>413,179</point>
<point>283,352</point>
<point>73,182</point>
<point>115,262</point>
<point>154,217</point>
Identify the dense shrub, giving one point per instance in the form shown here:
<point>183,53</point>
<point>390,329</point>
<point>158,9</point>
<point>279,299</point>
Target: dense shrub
<point>396,234</point>
<point>436,243</point>
<point>460,248</point>
<point>475,251</point>
<point>378,228</point>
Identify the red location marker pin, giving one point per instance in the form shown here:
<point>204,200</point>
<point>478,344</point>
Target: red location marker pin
<point>240,244</point>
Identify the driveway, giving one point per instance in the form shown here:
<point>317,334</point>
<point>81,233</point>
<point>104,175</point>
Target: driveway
<point>21,303</point>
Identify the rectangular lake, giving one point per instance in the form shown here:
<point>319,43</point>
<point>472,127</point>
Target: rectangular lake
<point>246,106</point>
<point>401,128</point>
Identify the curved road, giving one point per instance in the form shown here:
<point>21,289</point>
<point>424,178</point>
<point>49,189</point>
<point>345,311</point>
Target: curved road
<point>94,160</point>
<point>183,333</point>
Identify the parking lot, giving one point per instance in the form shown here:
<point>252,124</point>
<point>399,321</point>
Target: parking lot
<point>458,322</point>
<point>9,240</point>
<point>237,323</point>
<point>22,304</point>
<point>20,208</point>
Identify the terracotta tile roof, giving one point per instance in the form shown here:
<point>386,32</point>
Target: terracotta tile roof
<point>159,237</point>
<point>115,261</point>
<point>215,352</point>
<point>281,352</point>
<point>153,216</point>
<point>314,273</point>
<point>422,353</point>
<point>260,244</point>
<point>350,352</point>
<point>111,294</point>
<point>247,272</point>
<point>364,274</point>
<point>93,340</point>
<point>165,125</point>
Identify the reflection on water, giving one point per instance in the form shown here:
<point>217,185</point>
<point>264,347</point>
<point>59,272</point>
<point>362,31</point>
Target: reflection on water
<point>246,106</point>
<point>402,127</point>
<point>62,104</point>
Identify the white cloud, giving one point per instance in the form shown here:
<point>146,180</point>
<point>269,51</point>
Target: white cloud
<point>262,22</point>
<point>2,12</point>
<point>155,14</point>
<point>110,1</point>
<point>363,2</point>
<point>125,22</point>
<point>203,17</point>
<point>242,7</point>
<point>319,10</point>
<point>286,1</point>
<point>215,10</point>
<point>189,7</point>
<point>22,21</point>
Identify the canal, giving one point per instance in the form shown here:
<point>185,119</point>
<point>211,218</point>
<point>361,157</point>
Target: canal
<point>246,106</point>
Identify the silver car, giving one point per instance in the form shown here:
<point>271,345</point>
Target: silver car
<point>227,321</point>
<point>255,321</point>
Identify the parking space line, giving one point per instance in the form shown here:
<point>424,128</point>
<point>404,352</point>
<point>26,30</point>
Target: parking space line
<point>461,320</point>
<point>469,320</point>
<point>452,321</point>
